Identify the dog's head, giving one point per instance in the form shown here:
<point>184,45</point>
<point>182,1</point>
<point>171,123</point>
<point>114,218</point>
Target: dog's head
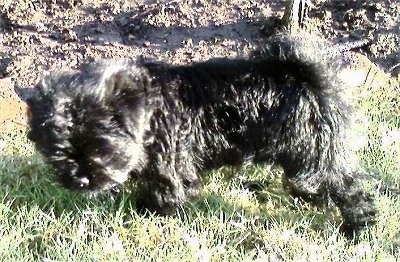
<point>90,124</point>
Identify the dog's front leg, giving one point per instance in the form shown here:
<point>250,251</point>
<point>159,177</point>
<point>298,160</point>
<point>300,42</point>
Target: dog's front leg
<point>168,183</point>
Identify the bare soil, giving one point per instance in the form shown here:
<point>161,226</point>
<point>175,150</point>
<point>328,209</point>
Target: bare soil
<point>39,35</point>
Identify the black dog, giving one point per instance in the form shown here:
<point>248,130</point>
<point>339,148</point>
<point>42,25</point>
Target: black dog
<point>164,124</point>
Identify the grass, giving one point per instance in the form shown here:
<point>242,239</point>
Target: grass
<point>39,221</point>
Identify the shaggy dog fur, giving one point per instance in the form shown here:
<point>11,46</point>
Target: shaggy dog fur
<point>165,124</point>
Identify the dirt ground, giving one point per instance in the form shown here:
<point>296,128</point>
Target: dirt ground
<point>39,35</point>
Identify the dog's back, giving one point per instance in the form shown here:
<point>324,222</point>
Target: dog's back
<point>285,98</point>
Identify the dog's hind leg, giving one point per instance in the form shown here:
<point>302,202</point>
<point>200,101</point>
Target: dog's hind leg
<point>309,185</point>
<point>356,205</point>
<point>316,164</point>
<point>343,187</point>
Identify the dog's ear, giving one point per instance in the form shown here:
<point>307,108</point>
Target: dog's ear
<point>50,85</point>
<point>24,93</point>
<point>127,96</point>
<point>37,91</point>
<point>120,83</point>
<point>37,96</point>
<point>116,79</point>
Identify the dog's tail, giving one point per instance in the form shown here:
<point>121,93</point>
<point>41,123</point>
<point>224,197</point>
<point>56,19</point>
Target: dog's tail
<point>305,57</point>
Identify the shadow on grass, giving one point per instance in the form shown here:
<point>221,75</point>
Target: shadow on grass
<point>28,181</point>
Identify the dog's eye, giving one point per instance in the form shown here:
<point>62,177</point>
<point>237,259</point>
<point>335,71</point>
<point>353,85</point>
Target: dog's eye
<point>118,119</point>
<point>58,129</point>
